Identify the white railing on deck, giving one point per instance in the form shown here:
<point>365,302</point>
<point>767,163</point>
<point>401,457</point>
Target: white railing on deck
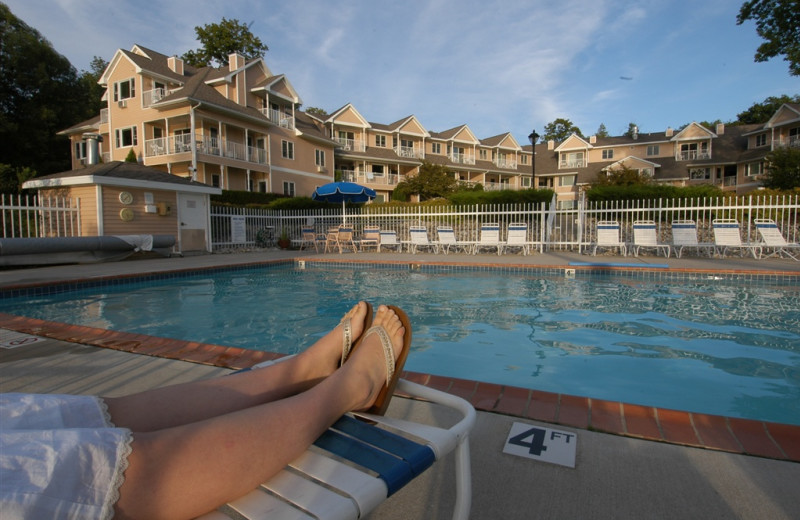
<point>549,227</point>
<point>35,217</point>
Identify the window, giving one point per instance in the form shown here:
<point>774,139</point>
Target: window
<point>653,149</point>
<point>523,159</point>
<point>380,141</point>
<point>377,169</point>
<point>436,148</point>
<point>525,182</point>
<point>215,180</point>
<point>566,180</point>
<point>700,173</point>
<point>319,158</point>
<point>761,140</point>
<point>608,154</point>
<point>287,150</point>
<point>126,137</point>
<point>262,186</point>
<point>125,89</point>
<point>183,140</point>
<point>755,168</point>
<point>80,150</point>
<point>482,155</point>
<point>288,188</point>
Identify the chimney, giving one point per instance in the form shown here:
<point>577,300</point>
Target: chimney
<point>668,133</point>
<point>592,139</point>
<point>720,128</point>
<point>635,132</point>
<point>235,61</point>
<point>92,147</point>
<point>175,64</point>
<point>551,144</point>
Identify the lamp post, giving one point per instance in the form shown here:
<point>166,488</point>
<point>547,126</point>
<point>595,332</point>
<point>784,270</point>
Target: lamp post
<point>533,137</point>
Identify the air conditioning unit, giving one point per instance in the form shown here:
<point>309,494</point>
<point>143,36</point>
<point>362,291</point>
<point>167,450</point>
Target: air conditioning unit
<point>122,103</point>
<point>320,169</point>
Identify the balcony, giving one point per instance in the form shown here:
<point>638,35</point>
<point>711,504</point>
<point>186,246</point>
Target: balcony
<point>409,152</point>
<point>508,163</point>
<point>462,158</point>
<point>351,145</point>
<point>359,177</point>
<point>154,96</point>
<point>572,163</point>
<point>279,118</point>
<point>792,141</point>
<point>208,145</point>
<point>693,155</point>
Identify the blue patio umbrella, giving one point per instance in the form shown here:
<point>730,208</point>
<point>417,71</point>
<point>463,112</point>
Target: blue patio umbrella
<point>343,192</point>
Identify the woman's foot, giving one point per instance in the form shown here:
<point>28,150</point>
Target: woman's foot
<point>325,356</point>
<point>369,361</point>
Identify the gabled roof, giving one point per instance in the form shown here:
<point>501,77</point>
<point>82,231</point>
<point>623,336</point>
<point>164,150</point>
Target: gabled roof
<point>787,113</point>
<point>403,124</point>
<point>271,83</point>
<point>152,62</point>
<point>502,141</point>
<point>348,108</point>
<point>631,159</point>
<point>693,131</point>
<point>90,125</point>
<point>573,142</point>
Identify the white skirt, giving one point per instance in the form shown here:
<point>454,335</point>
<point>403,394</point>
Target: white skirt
<point>60,457</point>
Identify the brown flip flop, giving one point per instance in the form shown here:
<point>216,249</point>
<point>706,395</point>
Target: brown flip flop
<point>348,342</point>
<point>393,369</point>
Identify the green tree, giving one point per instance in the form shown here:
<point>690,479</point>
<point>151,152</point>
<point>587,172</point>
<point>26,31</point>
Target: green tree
<point>432,181</point>
<point>778,24</point>
<point>632,129</point>
<point>783,169</point>
<point>219,40</point>
<point>317,112</point>
<point>623,176</point>
<point>39,95</point>
<point>93,91</point>
<point>601,131</point>
<point>760,113</point>
<point>559,129</point>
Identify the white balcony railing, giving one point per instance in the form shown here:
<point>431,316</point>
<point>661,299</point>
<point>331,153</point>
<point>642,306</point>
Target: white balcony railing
<point>787,142</point>
<point>572,163</point>
<point>386,179</point>
<point>409,152</point>
<point>154,96</point>
<point>692,155</point>
<point>508,163</point>
<point>462,158</point>
<point>168,145</point>
<point>351,145</point>
<point>279,118</point>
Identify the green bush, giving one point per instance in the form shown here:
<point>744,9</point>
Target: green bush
<point>244,198</point>
<point>466,198</point>
<point>650,192</point>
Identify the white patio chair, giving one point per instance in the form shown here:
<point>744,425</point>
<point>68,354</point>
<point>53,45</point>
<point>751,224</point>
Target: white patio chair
<point>419,240</point>
<point>370,238</point>
<point>490,238</point>
<point>684,235</point>
<point>388,239</point>
<point>447,241</point>
<point>517,237</point>
<point>645,236</point>
<point>727,236</point>
<point>608,236</point>
<point>356,465</point>
<point>772,238</point>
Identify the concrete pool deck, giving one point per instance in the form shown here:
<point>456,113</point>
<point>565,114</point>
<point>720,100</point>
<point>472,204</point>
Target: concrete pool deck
<point>616,476</point>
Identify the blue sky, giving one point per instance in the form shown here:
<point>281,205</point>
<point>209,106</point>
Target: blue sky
<point>496,66</point>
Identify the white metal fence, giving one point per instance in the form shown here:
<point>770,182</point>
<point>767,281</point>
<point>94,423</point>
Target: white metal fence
<point>548,227</point>
<point>37,217</point>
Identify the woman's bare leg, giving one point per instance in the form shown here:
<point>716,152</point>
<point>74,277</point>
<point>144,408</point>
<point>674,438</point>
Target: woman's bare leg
<point>191,402</point>
<point>188,470</point>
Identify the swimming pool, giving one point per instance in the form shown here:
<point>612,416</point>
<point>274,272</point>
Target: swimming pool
<point>710,346</point>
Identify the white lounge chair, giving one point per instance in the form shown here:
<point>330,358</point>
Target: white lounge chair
<point>370,238</point>
<point>447,241</point>
<point>608,237</point>
<point>517,237</point>
<point>771,238</point>
<point>727,236</point>
<point>389,240</point>
<point>490,238</point>
<point>356,465</point>
<point>645,236</point>
<point>419,239</point>
<point>684,235</point>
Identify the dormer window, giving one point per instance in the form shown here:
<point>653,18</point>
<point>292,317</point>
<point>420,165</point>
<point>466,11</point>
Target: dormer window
<point>761,140</point>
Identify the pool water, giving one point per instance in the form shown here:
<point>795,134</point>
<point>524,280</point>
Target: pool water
<point>712,346</point>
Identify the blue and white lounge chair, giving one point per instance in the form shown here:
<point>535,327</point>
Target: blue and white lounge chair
<point>355,466</point>
<point>389,240</point>
<point>645,236</point>
<point>419,240</point>
<point>727,236</point>
<point>490,238</point>
<point>684,235</point>
<point>772,239</point>
<point>447,241</point>
<point>517,237</point>
<point>608,236</point>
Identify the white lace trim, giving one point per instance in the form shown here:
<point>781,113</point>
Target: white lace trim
<point>101,404</point>
<point>119,477</point>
